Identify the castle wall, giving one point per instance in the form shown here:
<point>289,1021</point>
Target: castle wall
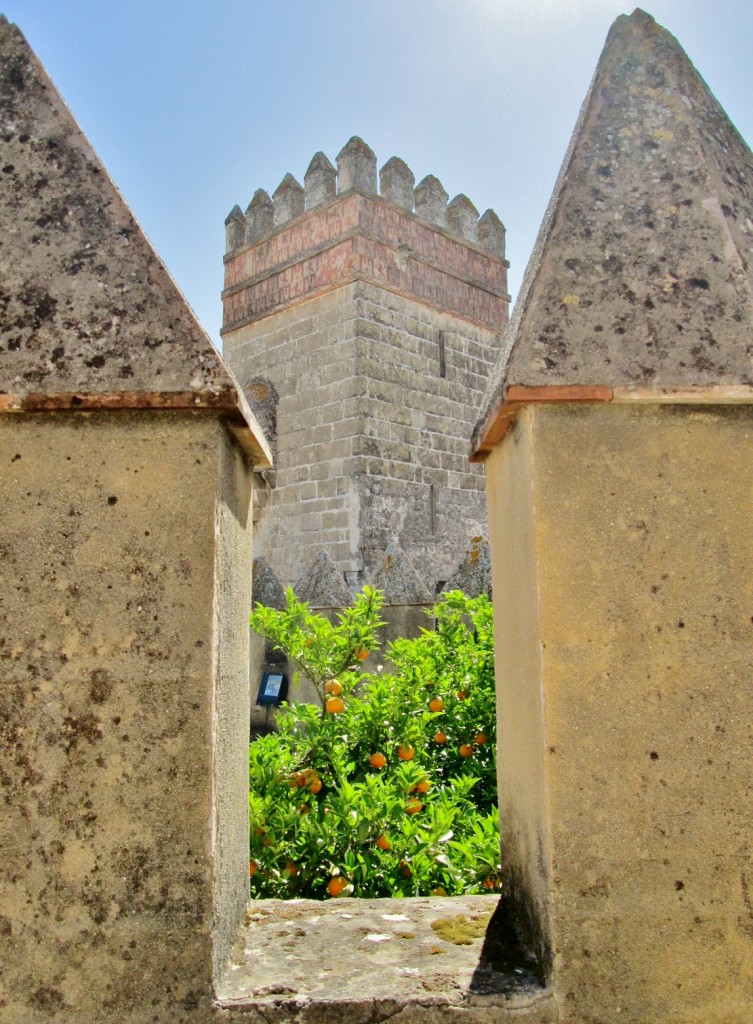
<point>308,353</point>
<point>423,372</point>
<point>123,659</point>
<point>372,417</point>
<point>626,781</point>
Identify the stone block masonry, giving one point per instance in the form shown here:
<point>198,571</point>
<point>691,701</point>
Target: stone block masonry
<point>377,327</point>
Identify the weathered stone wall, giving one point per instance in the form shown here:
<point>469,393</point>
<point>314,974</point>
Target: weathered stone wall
<point>372,421</point>
<point>309,354</point>
<point>231,699</point>
<point>422,371</point>
<point>117,665</point>
<point>626,783</point>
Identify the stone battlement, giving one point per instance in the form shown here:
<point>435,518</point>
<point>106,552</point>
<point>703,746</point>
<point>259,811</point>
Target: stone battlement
<point>306,239</point>
<point>357,171</point>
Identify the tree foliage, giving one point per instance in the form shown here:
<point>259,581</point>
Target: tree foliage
<point>388,788</point>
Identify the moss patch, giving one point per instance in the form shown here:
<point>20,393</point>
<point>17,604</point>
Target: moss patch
<point>463,929</point>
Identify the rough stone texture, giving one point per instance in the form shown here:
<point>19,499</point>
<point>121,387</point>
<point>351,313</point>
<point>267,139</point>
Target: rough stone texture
<point>430,200</point>
<point>491,234</point>
<point>396,182</point>
<point>235,229</point>
<point>474,574</point>
<point>322,585</point>
<point>110,666</point>
<point>623,628</point>
<point>368,960</point>
<point>289,201</point>
<point>267,588</point>
<point>462,218</point>
<point>398,579</point>
<point>646,280</point>
<point>356,167</point>
<point>231,697</point>
<point>85,304</point>
<point>320,181</point>
<point>260,216</point>
<point>371,436</point>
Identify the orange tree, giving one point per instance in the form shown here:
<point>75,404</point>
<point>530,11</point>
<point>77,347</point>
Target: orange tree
<point>387,788</point>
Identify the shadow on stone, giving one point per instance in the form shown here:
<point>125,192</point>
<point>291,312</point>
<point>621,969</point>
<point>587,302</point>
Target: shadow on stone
<point>504,965</point>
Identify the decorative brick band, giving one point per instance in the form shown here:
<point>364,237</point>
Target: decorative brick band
<point>366,237</point>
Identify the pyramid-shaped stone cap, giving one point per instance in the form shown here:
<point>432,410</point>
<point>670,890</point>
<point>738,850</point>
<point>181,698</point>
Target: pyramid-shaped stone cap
<point>641,278</point>
<point>474,574</point>
<point>398,579</point>
<point>89,317</point>
<point>322,585</point>
<point>266,588</point>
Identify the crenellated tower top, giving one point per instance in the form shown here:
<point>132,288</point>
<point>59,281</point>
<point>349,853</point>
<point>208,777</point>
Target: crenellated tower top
<point>348,221</point>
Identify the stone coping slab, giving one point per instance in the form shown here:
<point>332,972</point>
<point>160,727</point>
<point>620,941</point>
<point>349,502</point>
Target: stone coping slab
<point>367,960</point>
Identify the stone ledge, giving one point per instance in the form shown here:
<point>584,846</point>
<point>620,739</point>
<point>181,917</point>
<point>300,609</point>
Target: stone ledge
<point>364,961</point>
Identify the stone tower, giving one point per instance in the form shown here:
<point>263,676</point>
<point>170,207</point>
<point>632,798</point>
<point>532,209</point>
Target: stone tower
<point>362,323</point>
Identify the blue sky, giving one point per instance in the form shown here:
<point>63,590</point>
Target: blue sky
<point>192,106</point>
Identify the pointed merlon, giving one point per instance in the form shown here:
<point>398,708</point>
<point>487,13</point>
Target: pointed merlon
<point>289,200</point>
<point>266,588</point>
<point>462,218</point>
<point>235,229</point>
<point>322,585</point>
<point>641,278</point>
<point>398,579</point>
<point>474,574</point>
<point>320,181</point>
<point>396,183</point>
<point>491,234</point>
<point>91,318</point>
<point>260,216</point>
<point>431,200</point>
<point>356,167</point>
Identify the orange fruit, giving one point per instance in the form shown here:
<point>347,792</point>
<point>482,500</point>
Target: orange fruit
<point>466,750</point>
<point>462,694</point>
<point>332,686</point>
<point>335,705</point>
<point>304,808</point>
<point>253,867</point>
<point>440,737</point>
<point>383,843</point>
<point>413,805</point>
<point>291,868</point>
<point>336,885</point>
<point>423,786</point>
<point>436,704</point>
<point>361,653</point>
<point>377,760</point>
<point>439,891</point>
<point>406,752</point>
<point>315,785</point>
<point>405,869</point>
<point>480,738</point>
